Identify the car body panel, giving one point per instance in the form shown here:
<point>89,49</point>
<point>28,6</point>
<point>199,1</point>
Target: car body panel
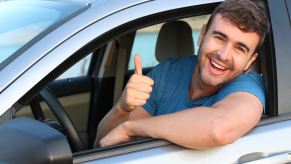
<point>266,140</point>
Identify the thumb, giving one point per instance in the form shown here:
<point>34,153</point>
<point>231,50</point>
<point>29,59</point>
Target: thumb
<point>138,64</point>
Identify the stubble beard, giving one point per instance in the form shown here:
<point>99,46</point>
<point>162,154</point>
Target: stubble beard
<point>207,81</point>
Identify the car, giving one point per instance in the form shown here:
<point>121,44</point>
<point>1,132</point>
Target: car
<point>63,64</point>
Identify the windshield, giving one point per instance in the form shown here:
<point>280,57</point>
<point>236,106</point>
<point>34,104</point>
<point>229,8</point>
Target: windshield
<point>21,21</point>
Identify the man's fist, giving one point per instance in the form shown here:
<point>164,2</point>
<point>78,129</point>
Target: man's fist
<point>138,88</point>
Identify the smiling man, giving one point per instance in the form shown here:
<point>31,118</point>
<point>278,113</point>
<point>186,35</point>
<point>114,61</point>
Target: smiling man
<point>198,102</point>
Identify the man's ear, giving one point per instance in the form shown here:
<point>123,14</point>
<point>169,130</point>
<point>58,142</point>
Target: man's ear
<point>201,35</point>
<point>251,60</point>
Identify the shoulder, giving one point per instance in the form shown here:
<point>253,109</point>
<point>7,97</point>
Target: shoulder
<point>251,79</point>
<point>251,82</point>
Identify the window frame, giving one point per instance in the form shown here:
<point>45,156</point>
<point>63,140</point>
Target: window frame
<point>144,144</point>
<point>153,19</point>
<point>280,62</point>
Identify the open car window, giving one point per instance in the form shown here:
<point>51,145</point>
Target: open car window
<point>146,38</point>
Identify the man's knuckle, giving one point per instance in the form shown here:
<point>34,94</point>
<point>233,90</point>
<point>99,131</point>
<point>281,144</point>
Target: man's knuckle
<point>148,96</point>
<point>150,89</point>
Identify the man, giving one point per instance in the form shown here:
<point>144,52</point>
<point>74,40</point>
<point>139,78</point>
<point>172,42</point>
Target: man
<point>198,102</point>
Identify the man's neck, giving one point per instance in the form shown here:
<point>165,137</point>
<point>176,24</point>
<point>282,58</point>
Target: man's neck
<point>197,88</point>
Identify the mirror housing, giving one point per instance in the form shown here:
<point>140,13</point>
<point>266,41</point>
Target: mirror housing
<point>25,140</point>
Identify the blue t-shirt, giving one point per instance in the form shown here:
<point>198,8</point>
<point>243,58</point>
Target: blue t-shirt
<point>172,81</point>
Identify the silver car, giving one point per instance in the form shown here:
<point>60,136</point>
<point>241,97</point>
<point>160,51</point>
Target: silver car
<point>64,63</point>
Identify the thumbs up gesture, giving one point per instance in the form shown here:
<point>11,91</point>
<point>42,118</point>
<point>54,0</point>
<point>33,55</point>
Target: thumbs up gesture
<point>137,90</point>
<point>137,64</point>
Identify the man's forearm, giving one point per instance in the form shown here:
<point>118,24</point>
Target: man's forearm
<point>193,132</point>
<point>198,128</point>
<point>112,119</point>
<point>191,128</point>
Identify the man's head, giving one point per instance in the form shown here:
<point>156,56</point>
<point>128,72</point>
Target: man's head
<point>228,43</point>
<point>245,14</point>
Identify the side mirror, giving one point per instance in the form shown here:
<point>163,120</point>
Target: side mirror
<point>24,140</point>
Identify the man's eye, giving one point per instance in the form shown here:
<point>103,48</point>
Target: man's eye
<point>218,38</point>
<point>241,49</point>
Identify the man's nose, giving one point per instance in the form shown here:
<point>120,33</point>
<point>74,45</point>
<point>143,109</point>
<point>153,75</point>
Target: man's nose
<point>225,53</point>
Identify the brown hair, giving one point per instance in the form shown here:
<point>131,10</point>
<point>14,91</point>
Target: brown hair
<point>245,14</point>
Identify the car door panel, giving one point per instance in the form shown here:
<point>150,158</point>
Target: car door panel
<point>263,139</point>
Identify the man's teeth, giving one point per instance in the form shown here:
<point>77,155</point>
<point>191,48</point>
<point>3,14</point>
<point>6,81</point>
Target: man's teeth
<point>217,65</point>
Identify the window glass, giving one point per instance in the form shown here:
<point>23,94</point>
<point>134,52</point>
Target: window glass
<point>146,38</point>
<point>77,70</point>
<point>196,24</point>
<point>144,44</point>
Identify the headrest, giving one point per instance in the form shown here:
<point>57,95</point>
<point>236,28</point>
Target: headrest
<point>174,40</point>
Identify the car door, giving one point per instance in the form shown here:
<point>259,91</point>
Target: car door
<point>267,142</point>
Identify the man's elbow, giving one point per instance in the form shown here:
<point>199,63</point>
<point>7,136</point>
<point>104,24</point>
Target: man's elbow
<point>216,136</point>
<point>222,135</point>
<point>99,135</point>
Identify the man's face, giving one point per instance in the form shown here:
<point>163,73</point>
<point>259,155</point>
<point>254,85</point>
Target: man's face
<point>225,52</point>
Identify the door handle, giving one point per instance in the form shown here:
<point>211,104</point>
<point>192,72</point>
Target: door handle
<point>261,157</point>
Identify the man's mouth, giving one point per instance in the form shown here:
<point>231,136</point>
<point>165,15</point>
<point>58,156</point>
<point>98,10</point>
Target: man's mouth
<point>217,65</point>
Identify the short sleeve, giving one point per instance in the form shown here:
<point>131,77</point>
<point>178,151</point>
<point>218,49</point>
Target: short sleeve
<point>252,83</point>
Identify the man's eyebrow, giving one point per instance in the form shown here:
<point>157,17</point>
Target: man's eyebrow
<point>225,36</point>
<point>219,33</point>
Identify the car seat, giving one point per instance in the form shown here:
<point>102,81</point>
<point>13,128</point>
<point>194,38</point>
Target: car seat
<point>174,40</point>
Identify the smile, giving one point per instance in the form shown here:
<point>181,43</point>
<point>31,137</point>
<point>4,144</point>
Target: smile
<point>217,65</point>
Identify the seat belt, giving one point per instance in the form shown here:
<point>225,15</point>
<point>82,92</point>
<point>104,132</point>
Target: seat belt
<point>124,44</point>
<point>120,72</point>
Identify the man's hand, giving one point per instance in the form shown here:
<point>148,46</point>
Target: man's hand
<point>116,136</point>
<point>137,90</point>
<point>135,94</point>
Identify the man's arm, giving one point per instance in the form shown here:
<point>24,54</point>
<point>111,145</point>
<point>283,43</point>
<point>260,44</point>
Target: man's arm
<point>202,127</point>
<point>135,94</point>
<point>115,117</point>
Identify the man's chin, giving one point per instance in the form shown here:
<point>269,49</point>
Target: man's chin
<point>212,82</point>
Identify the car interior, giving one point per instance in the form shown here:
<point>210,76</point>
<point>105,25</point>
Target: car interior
<point>86,98</point>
